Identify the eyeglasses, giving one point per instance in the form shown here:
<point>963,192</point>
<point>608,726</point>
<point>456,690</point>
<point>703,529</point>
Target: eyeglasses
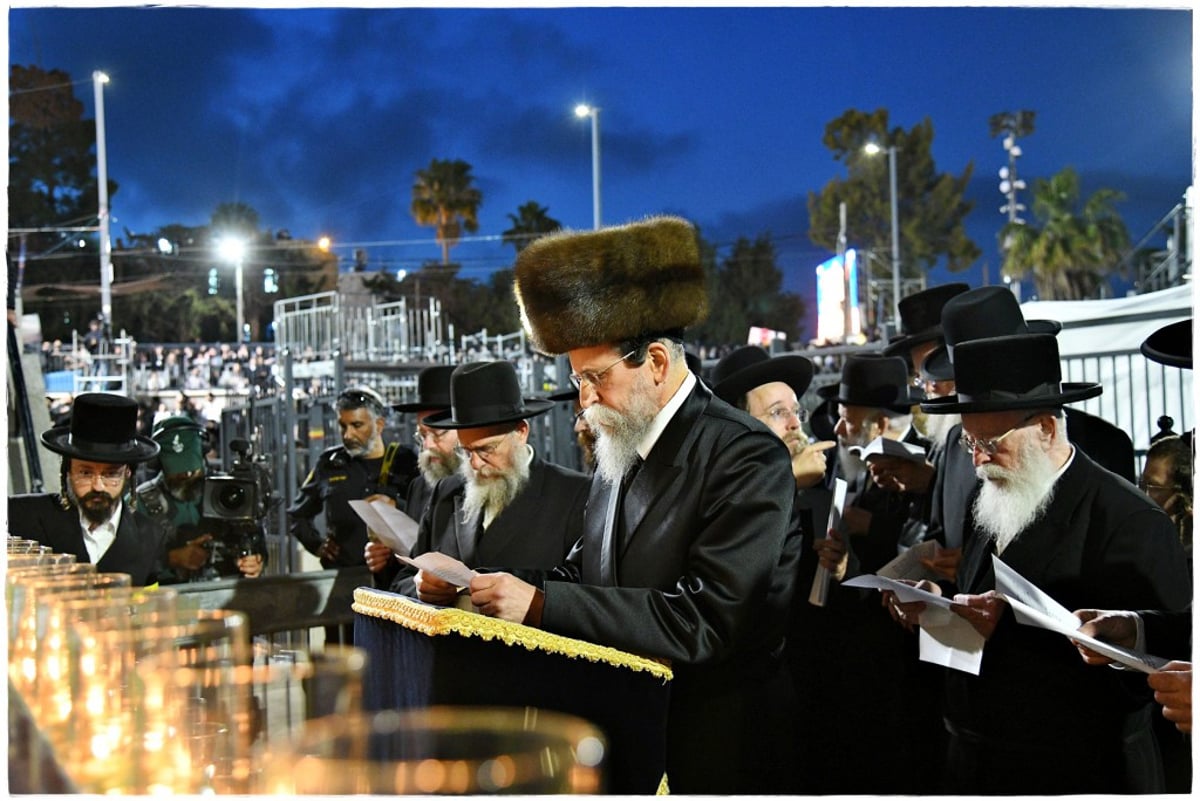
<point>484,452</point>
<point>780,414</point>
<point>596,377</point>
<point>111,477</point>
<point>990,446</point>
<point>1146,487</point>
<point>436,434</point>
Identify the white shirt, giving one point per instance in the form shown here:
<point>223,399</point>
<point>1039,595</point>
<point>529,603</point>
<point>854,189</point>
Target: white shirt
<point>100,539</point>
<point>666,413</point>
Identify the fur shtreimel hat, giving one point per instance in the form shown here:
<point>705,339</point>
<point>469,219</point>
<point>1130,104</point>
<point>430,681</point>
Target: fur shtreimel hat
<point>582,289</point>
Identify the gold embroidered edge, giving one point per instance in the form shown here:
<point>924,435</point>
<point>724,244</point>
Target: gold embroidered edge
<point>440,621</point>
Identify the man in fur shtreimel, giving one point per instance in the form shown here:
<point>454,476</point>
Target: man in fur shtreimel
<point>688,510</point>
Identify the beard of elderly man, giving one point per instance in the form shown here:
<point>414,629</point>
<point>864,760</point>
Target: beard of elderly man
<point>1012,496</point>
<point>618,433</point>
<point>500,477</point>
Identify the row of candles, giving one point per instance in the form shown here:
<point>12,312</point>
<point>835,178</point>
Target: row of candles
<point>135,691</point>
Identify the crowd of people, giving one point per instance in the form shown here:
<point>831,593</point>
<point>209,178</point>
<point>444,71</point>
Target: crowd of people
<point>720,525</point>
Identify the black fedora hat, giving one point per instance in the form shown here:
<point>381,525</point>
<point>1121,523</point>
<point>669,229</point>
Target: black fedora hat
<point>989,311</point>
<point>1171,345</point>
<point>103,428</point>
<point>1009,372</point>
<point>486,394</point>
<point>433,390</point>
<point>870,379</point>
<point>921,317</point>
<point>750,366</point>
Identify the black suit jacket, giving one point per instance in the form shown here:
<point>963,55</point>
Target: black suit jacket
<point>535,531</point>
<point>695,579</point>
<point>1100,544</point>
<point>137,550</point>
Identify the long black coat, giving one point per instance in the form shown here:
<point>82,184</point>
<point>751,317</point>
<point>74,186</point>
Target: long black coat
<point>1100,544</point>
<point>535,531</point>
<point>137,550</point>
<point>707,517</point>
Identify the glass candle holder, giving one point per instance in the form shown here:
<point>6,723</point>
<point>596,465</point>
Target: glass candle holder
<point>443,751</point>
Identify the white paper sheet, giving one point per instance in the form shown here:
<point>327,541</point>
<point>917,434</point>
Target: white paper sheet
<point>883,446</point>
<point>444,567</point>
<point>1033,607</point>
<point>908,565</point>
<point>385,525</point>
<point>819,592</point>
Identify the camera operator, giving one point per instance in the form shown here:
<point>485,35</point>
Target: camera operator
<point>201,544</point>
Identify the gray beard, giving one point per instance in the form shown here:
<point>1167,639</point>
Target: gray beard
<point>937,427</point>
<point>1004,509</point>
<point>434,471</point>
<point>494,494</point>
<point>850,465</point>
<point>619,434</point>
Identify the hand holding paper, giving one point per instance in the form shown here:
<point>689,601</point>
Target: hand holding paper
<point>387,525</point>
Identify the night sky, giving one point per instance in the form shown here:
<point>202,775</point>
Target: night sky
<point>319,118</point>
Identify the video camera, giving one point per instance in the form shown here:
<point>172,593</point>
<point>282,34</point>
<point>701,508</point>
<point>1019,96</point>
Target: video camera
<point>243,495</point>
<point>238,504</point>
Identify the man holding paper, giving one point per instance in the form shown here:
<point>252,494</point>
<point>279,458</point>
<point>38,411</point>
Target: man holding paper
<point>689,507</point>
<point>507,506</point>
<point>1035,720</point>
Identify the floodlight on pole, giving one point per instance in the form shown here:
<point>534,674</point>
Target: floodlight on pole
<point>106,274</point>
<point>585,110</point>
<point>233,249</point>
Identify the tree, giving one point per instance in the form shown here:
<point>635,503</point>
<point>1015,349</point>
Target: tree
<point>931,205</point>
<point>1075,247</point>
<point>443,197</point>
<point>749,286</point>
<point>51,163</point>
<point>530,222</point>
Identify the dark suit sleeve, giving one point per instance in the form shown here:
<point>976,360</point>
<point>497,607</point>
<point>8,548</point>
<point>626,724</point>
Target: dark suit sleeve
<point>307,506</point>
<point>1169,634</point>
<point>728,545</point>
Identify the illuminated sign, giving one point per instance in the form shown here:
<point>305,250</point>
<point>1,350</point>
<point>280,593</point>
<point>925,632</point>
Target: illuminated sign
<point>832,278</point>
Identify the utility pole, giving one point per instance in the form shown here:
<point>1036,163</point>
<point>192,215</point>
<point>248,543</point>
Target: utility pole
<point>847,317</point>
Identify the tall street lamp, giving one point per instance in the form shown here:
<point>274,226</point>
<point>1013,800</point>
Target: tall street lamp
<point>871,149</point>
<point>584,110</point>
<point>98,81</point>
<point>233,250</point>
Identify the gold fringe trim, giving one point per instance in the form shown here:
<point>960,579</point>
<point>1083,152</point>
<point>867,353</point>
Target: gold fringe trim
<point>439,621</point>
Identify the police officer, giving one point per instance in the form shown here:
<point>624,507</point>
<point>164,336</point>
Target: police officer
<point>198,548</point>
<point>361,468</point>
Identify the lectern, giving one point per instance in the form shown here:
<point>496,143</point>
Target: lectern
<point>423,655</point>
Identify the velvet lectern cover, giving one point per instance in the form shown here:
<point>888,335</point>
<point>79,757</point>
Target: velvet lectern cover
<point>424,655</point>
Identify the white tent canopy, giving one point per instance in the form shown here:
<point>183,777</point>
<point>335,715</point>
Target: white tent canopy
<point>1101,341</point>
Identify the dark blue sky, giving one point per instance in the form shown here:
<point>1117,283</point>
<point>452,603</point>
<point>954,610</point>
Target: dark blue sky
<point>319,118</point>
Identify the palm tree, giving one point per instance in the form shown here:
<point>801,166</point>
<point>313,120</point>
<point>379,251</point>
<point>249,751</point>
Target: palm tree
<point>444,198</point>
<point>1072,252</point>
<point>530,222</point>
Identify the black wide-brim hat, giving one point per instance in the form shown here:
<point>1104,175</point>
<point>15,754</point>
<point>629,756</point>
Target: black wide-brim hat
<point>433,390</point>
<point>486,394</point>
<point>1171,345</point>
<point>751,366</point>
<point>102,428</point>
<point>921,317</point>
<point>1011,372</point>
<point>562,396</point>
<point>875,381</point>
<point>988,311</point>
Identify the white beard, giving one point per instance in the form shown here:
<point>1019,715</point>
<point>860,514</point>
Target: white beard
<point>850,463</point>
<point>937,427</point>
<point>495,490</point>
<point>1006,507</point>
<point>618,435</point>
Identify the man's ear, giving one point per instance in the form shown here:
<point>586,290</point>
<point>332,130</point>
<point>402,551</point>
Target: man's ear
<point>660,361</point>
